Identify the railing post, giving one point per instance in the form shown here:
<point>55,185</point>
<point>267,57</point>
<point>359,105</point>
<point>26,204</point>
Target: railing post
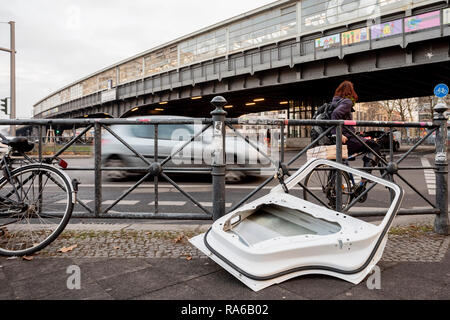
<point>41,132</point>
<point>391,160</point>
<point>338,172</point>
<point>441,223</point>
<point>218,157</point>
<point>98,169</point>
<point>282,147</point>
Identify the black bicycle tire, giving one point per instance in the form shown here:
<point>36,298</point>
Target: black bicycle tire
<point>344,175</point>
<point>64,221</point>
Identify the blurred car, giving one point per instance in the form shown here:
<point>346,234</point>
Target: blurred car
<point>170,138</point>
<point>383,139</point>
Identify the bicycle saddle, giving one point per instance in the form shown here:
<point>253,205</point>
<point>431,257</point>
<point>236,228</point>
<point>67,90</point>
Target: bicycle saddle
<point>19,144</point>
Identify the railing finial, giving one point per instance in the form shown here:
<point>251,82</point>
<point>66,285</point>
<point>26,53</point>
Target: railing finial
<point>219,102</point>
<point>440,110</point>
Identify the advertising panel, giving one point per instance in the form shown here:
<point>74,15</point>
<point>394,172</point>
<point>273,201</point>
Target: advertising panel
<point>319,14</point>
<point>423,21</point>
<point>109,95</point>
<point>387,29</point>
<point>355,36</point>
<point>328,42</point>
<point>447,16</point>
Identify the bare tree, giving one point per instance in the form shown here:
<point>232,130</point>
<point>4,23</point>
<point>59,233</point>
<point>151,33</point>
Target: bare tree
<point>430,102</point>
<point>406,108</point>
<point>388,106</point>
<point>372,110</point>
<point>412,107</point>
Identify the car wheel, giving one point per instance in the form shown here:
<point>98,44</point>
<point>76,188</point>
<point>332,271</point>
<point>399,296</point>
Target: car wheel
<point>115,175</point>
<point>234,177</point>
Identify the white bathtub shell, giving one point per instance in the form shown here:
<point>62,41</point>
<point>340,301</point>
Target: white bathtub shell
<point>349,252</point>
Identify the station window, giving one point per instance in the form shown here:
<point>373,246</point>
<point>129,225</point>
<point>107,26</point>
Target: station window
<point>161,60</point>
<point>130,71</point>
<point>263,28</point>
<point>203,47</point>
<point>76,91</point>
<point>107,77</point>
<point>90,86</point>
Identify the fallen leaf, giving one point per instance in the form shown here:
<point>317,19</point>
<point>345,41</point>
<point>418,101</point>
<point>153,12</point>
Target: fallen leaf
<point>67,249</point>
<point>27,258</point>
<point>179,239</point>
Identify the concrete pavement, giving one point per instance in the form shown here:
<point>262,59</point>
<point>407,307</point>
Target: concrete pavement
<point>155,261</point>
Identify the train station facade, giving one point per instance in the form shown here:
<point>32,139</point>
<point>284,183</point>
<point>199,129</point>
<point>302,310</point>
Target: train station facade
<point>315,27</point>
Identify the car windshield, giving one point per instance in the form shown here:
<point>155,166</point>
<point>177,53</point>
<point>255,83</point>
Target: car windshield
<point>179,132</point>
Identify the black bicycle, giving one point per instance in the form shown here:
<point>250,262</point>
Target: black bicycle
<point>36,200</point>
<point>320,184</point>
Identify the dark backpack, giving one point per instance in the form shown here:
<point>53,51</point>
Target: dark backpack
<point>323,113</point>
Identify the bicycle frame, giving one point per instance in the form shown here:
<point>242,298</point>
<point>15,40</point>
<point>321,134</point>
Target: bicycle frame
<point>356,155</point>
<point>5,164</point>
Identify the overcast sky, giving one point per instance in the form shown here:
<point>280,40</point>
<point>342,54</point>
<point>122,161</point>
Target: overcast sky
<point>61,41</point>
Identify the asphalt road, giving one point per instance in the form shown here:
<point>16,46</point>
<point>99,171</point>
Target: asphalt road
<point>199,186</point>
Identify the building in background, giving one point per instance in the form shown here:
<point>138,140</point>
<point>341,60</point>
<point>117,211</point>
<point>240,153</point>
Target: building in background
<point>320,25</point>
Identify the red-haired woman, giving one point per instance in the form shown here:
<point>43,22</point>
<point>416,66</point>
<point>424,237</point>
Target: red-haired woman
<point>345,98</point>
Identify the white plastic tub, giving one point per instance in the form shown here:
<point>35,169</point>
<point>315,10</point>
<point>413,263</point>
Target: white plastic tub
<point>280,236</point>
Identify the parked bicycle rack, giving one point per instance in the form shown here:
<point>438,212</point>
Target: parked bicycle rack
<point>218,169</point>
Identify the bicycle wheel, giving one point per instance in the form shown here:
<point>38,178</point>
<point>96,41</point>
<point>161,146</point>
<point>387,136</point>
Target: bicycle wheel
<point>320,187</point>
<point>35,207</point>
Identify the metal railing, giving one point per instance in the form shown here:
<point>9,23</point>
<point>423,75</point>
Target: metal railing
<point>157,169</point>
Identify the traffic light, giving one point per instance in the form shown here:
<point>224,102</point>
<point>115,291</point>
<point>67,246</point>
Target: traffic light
<point>4,105</point>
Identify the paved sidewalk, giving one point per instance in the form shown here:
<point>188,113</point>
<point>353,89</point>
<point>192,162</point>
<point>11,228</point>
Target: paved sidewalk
<point>155,261</point>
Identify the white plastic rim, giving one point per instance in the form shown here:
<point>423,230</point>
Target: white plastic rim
<point>217,244</point>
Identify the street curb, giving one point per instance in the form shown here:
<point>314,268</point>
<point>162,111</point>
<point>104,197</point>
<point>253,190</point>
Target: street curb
<point>177,226</point>
<point>200,228</point>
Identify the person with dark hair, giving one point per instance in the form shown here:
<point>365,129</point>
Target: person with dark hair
<point>345,99</point>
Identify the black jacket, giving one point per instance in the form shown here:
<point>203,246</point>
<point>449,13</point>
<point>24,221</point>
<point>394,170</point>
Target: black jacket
<point>343,111</point>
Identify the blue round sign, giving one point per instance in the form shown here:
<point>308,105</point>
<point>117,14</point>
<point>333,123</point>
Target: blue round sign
<point>441,90</point>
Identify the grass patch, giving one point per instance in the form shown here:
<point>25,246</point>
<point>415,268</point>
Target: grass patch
<point>50,149</point>
<point>414,231</point>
